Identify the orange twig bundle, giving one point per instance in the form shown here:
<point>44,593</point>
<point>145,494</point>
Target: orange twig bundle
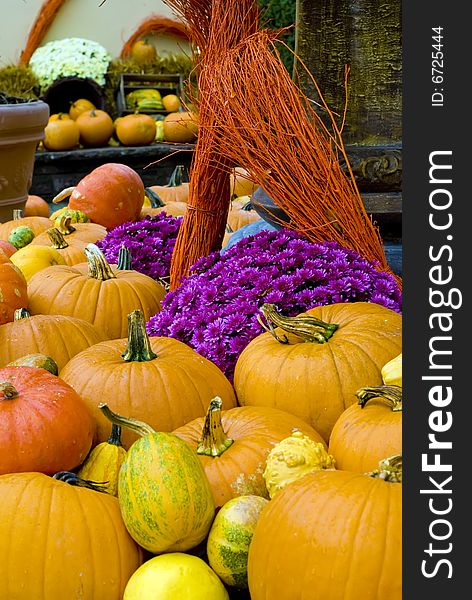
<point>215,27</point>
<point>266,124</point>
<point>46,15</point>
<point>154,24</point>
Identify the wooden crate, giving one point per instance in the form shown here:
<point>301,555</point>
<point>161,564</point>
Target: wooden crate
<point>171,83</point>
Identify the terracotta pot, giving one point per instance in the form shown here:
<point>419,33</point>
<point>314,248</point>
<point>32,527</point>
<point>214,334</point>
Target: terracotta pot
<point>21,128</point>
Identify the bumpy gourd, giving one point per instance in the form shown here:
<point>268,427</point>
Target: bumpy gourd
<point>392,371</point>
<point>104,461</point>
<point>292,458</point>
<point>21,236</point>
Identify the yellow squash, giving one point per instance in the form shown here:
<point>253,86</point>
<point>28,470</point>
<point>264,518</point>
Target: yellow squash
<point>392,371</point>
<point>32,259</point>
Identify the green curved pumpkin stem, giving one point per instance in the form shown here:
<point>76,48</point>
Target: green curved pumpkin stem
<point>21,313</point>
<point>177,177</point>
<point>115,435</point>
<point>139,347</point>
<point>138,427</point>
<point>307,327</point>
<point>7,391</point>
<point>390,469</point>
<point>248,206</point>
<point>214,440</point>
<point>65,225</point>
<point>392,394</point>
<point>154,198</point>
<point>58,241</point>
<point>73,479</point>
<point>98,266</point>
<point>125,262</point>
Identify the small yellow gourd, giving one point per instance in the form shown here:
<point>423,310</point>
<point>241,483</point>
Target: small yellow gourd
<point>103,463</point>
<point>32,259</point>
<point>292,458</point>
<point>392,371</point>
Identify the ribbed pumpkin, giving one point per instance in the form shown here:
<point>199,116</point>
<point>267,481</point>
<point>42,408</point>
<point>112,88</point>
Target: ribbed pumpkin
<point>156,206</point>
<point>44,425</point>
<point>157,380</point>
<point>78,233</point>
<point>331,534</point>
<point>176,189</point>
<point>104,462</point>
<point>61,541</point>
<point>233,446</point>
<point>313,364</point>
<point>368,431</point>
<point>95,291</point>
<point>54,335</point>
<point>72,254</point>
<point>164,494</point>
<point>37,224</point>
<point>230,537</point>
<point>241,213</point>
<point>13,289</point>
<point>110,195</point>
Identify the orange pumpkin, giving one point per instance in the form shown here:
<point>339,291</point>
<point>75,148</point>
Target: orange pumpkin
<point>78,234</point>
<point>75,540</point>
<point>96,292</point>
<point>96,128</point>
<point>37,224</point>
<point>241,213</point>
<point>36,207</point>
<point>58,116</point>
<point>110,195</point>
<point>175,209</point>
<point>13,289</point>
<point>158,380</point>
<point>57,336</point>
<point>61,133</point>
<point>330,534</point>
<point>241,183</point>
<point>135,130</point>
<point>176,189</point>
<point>79,106</point>
<point>44,425</point>
<point>7,248</point>
<point>233,446</point>
<point>313,364</point>
<point>180,127</point>
<point>368,431</point>
<point>143,53</point>
<point>72,253</point>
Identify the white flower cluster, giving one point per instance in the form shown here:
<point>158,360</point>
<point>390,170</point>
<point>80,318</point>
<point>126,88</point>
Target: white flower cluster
<point>69,57</point>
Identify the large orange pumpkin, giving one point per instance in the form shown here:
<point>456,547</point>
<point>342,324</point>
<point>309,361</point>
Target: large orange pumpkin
<point>61,133</point>
<point>181,127</point>
<point>136,129</point>
<point>313,364</point>
<point>95,127</point>
<point>57,336</point>
<point>331,534</point>
<point>233,446</point>
<point>156,206</point>
<point>78,234</point>
<point>368,431</point>
<point>37,224</point>
<point>72,253</point>
<point>60,541</point>
<point>13,289</point>
<point>110,195</point>
<point>96,292</point>
<point>176,189</point>
<point>44,424</point>
<point>158,380</point>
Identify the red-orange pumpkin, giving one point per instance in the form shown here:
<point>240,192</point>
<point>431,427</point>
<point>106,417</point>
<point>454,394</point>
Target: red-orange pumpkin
<point>110,195</point>
<point>44,424</point>
<point>13,289</point>
<point>36,207</point>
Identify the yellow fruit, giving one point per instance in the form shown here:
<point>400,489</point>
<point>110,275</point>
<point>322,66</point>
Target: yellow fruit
<point>171,102</point>
<point>32,259</point>
<point>175,576</point>
<point>392,371</point>
<point>79,106</point>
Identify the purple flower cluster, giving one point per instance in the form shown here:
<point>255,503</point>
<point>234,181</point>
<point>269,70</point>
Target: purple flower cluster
<point>214,310</point>
<point>150,242</point>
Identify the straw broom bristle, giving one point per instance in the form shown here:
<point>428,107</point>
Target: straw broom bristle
<point>46,15</point>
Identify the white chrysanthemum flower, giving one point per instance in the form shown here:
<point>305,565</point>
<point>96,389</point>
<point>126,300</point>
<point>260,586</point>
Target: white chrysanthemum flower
<point>70,57</point>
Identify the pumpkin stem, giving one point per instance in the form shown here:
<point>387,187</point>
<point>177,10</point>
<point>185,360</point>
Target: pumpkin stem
<point>98,266</point>
<point>17,214</point>
<point>63,195</point>
<point>7,391</point>
<point>74,479</point>
<point>58,241</point>
<point>115,435</point>
<point>177,177</point>
<point>21,313</point>
<point>308,328</point>
<point>390,469</point>
<point>228,228</point>
<point>139,347</point>
<point>138,427</point>
<point>154,198</point>
<point>392,394</point>
<point>214,440</point>
<point>65,224</point>
<point>124,259</point>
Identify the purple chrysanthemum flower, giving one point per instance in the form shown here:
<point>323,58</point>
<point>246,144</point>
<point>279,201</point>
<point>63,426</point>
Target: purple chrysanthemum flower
<point>150,242</point>
<point>215,308</point>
